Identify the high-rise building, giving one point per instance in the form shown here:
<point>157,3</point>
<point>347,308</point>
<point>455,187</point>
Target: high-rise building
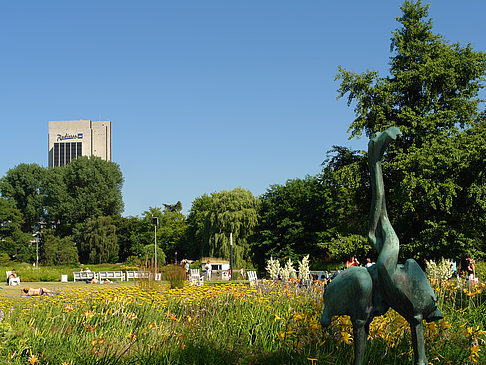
<point>73,138</point>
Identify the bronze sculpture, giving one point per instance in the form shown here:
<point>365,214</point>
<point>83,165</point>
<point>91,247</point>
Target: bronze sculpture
<point>364,293</point>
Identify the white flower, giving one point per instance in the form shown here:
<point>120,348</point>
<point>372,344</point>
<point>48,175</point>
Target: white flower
<point>273,268</point>
<point>304,271</point>
<point>439,271</point>
<point>288,271</point>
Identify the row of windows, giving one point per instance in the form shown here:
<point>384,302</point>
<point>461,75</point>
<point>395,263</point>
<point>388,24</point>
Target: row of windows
<point>66,151</point>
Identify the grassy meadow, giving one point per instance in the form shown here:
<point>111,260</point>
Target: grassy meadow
<point>230,323</point>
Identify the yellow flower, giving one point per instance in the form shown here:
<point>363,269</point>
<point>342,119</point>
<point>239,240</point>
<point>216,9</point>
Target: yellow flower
<point>131,316</point>
<point>69,308</point>
<point>445,325</point>
<point>89,314</point>
<point>33,359</point>
<point>474,353</point>
<point>346,338</point>
<point>298,317</point>
<point>314,326</point>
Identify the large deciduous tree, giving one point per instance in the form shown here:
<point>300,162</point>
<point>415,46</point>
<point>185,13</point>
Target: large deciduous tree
<point>291,220</point>
<point>97,241</point>
<point>318,215</point>
<point>197,233</point>
<point>434,175</point>
<point>235,212</point>
<point>88,187</point>
<point>170,231</point>
<point>59,251</point>
<point>13,242</point>
<point>22,185</point>
<point>213,218</point>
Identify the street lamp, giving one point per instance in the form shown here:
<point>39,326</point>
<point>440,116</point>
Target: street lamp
<point>231,255</point>
<point>155,222</point>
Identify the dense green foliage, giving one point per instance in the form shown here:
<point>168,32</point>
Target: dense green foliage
<point>60,251</point>
<point>63,201</point>
<point>22,186</point>
<point>13,241</point>
<point>97,239</point>
<point>85,188</point>
<point>213,218</point>
<point>435,173</point>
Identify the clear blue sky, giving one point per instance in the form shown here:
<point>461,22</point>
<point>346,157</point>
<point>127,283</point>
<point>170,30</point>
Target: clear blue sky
<point>203,95</point>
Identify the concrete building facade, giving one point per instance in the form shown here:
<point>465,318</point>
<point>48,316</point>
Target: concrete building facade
<point>73,138</point>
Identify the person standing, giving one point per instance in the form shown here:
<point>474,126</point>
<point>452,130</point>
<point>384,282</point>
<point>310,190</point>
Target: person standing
<point>352,262</point>
<point>207,267</point>
<point>469,267</point>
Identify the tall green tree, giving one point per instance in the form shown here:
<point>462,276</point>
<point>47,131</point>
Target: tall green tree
<point>88,187</point>
<point>197,233</point>
<point>127,231</point>
<point>291,220</point>
<point>59,251</point>
<point>213,218</point>
<point>13,242</point>
<point>318,215</point>
<point>235,212</point>
<point>22,184</point>
<point>97,241</point>
<point>432,95</point>
<point>170,231</point>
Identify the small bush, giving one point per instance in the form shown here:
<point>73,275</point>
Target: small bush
<point>4,259</point>
<point>175,275</point>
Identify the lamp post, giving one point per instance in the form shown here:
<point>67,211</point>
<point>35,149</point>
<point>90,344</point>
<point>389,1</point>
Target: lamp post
<point>231,255</point>
<point>37,252</point>
<point>155,222</point>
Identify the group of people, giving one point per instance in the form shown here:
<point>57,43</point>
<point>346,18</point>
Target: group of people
<point>468,267</point>
<point>353,261</point>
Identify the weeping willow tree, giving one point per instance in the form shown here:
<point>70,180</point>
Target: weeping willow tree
<point>98,242</point>
<point>212,219</point>
<point>233,212</point>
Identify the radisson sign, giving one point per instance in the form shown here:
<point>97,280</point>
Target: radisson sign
<point>61,137</point>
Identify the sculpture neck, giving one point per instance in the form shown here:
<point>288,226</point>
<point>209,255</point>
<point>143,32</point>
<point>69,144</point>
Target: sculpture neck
<point>380,231</point>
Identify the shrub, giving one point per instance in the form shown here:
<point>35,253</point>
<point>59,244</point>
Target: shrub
<point>4,259</point>
<point>175,275</point>
<point>60,251</point>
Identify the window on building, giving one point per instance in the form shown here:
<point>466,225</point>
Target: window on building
<point>56,154</point>
<point>61,154</point>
